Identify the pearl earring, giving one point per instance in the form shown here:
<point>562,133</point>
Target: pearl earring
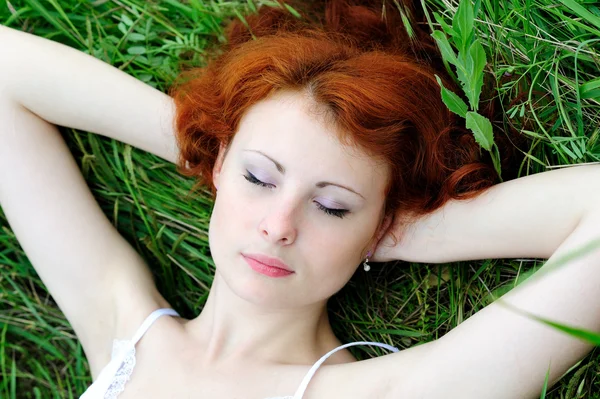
<point>366,266</point>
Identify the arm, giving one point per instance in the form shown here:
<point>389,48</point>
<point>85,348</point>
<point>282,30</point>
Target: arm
<point>499,353</point>
<point>83,261</point>
<point>526,217</point>
<point>67,87</point>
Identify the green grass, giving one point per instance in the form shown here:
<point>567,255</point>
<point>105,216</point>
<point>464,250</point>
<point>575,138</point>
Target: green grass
<point>550,49</point>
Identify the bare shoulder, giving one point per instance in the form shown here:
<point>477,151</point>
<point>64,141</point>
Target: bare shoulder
<point>394,375</point>
<point>131,308</point>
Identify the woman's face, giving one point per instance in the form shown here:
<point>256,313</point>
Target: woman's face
<point>280,212</point>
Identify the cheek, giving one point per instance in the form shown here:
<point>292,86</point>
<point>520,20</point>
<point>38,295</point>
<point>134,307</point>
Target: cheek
<point>232,225</point>
<point>230,214</point>
<point>340,244</point>
<point>221,229</point>
<point>335,256</point>
<point>339,251</point>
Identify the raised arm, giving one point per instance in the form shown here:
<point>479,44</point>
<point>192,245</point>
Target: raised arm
<point>499,353</point>
<point>526,217</point>
<point>97,279</point>
<point>67,87</point>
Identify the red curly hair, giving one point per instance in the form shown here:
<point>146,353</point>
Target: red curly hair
<point>375,81</point>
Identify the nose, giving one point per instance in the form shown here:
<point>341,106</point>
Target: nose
<point>279,226</point>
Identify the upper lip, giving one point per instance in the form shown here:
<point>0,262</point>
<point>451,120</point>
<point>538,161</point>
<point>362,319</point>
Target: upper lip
<point>267,260</point>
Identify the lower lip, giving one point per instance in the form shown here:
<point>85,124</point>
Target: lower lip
<point>266,270</point>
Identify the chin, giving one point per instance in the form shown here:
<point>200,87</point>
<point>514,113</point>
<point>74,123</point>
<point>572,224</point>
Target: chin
<point>252,287</point>
<point>260,294</point>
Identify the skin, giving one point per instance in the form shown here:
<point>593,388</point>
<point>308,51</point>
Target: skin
<point>286,318</point>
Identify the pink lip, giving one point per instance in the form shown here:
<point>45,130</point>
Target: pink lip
<point>265,260</point>
<point>268,270</point>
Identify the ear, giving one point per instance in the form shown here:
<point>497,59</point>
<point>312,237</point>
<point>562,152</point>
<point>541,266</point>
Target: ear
<point>219,165</point>
<point>382,231</point>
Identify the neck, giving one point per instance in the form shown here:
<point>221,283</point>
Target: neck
<point>230,328</point>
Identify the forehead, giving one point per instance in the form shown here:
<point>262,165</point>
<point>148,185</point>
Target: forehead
<point>289,127</point>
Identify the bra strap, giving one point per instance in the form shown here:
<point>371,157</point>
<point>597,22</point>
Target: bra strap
<point>149,320</point>
<point>304,384</point>
<point>105,378</point>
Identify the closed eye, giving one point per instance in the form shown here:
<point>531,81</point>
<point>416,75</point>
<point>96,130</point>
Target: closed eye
<point>340,213</point>
<point>334,212</point>
<point>250,177</point>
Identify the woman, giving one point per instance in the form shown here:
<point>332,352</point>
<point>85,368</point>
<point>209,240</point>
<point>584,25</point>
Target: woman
<point>315,170</point>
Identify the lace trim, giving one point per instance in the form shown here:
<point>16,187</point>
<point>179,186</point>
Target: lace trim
<point>123,374</point>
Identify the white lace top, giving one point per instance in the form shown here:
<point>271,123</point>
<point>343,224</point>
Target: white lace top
<point>113,377</point>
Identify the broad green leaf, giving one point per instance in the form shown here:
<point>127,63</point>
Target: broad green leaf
<point>452,100</point>
<point>445,27</point>
<point>135,11</point>
<point>462,23</point>
<point>461,71</point>
<point>136,37</point>
<point>469,71</point>
<point>136,50</point>
<point>477,57</point>
<point>482,129</point>
<point>445,48</point>
<point>121,26</point>
<point>145,77</point>
<point>126,20</point>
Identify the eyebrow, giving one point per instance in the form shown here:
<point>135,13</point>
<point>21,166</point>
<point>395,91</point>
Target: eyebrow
<point>320,184</point>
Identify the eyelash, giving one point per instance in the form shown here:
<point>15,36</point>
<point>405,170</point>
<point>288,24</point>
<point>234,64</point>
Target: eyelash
<point>340,213</point>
